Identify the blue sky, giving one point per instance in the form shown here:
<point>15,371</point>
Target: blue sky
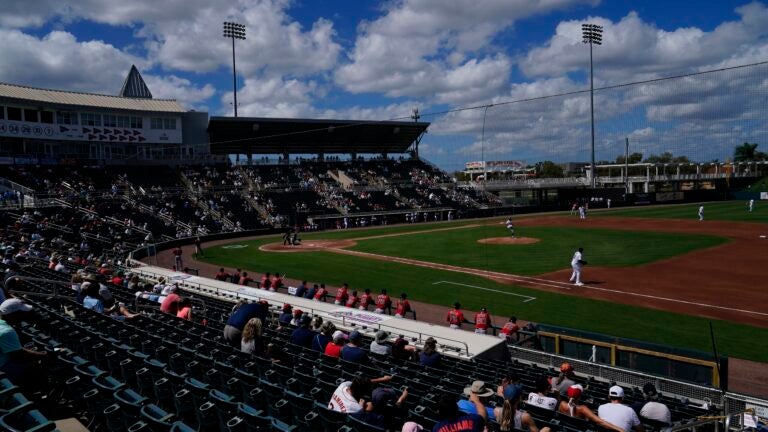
<point>379,60</point>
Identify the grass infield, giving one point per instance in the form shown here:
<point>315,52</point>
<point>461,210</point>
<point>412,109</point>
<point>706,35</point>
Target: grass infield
<point>459,247</point>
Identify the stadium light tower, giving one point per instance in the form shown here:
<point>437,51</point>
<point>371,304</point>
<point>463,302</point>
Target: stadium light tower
<point>592,35</point>
<point>234,31</point>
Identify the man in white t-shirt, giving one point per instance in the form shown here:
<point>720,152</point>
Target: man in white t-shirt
<point>539,398</point>
<point>619,414</point>
<point>577,262</point>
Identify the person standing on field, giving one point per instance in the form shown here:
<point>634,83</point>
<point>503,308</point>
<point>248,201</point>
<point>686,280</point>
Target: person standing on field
<point>701,212</point>
<point>482,321</point>
<point>577,262</point>
<point>751,205</point>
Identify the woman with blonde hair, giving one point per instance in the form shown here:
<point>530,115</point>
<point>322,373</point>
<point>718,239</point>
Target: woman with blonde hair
<point>509,417</point>
<point>252,342</point>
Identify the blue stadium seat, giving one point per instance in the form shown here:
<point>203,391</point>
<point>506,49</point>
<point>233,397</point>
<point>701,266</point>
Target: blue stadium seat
<point>158,419</point>
<point>130,404</point>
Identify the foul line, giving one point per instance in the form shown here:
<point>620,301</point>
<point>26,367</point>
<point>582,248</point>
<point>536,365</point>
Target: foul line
<point>527,298</point>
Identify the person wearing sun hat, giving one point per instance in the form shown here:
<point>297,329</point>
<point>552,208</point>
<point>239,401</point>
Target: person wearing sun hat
<point>572,408</point>
<point>619,414</point>
<point>479,389</point>
<point>379,346</point>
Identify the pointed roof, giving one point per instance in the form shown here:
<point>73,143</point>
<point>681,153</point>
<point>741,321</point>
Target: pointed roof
<point>134,86</point>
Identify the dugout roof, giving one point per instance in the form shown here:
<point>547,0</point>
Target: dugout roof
<point>251,135</point>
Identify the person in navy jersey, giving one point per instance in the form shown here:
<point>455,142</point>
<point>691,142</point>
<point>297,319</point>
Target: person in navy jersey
<point>352,351</point>
<point>233,331</point>
<point>453,420</point>
<point>302,289</point>
<point>302,336</point>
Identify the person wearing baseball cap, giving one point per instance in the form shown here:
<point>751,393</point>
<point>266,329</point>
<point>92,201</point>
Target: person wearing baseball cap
<point>651,408</point>
<point>561,383</point>
<point>380,409</point>
<point>618,414</point>
<point>571,407</point>
<point>352,352</point>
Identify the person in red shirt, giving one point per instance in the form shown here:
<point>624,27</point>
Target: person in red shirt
<point>277,282</point>
<point>455,316</point>
<point>342,295</point>
<point>383,302</point>
<point>352,300</point>
<point>244,279</point>
<point>222,275</point>
<point>403,306</point>
<point>321,294</point>
<point>510,328</point>
<point>333,349</point>
<point>366,300</point>
<point>118,279</point>
<point>266,281</point>
<point>482,321</point>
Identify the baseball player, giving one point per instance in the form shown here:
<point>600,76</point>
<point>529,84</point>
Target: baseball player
<point>751,205</point>
<point>511,227</point>
<point>701,212</point>
<point>482,321</point>
<point>582,212</point>
<point>577,262</point>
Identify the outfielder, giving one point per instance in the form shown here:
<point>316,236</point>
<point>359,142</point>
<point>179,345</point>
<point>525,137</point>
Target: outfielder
<point>751,205</point>
<point>701,212</point>
<point>577,262</point>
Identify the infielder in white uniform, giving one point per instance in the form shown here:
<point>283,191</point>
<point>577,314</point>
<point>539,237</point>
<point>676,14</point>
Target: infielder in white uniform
<point>577,263</point>
<point>701,213</point>
<point>582,212</point>
<point>751,205</point>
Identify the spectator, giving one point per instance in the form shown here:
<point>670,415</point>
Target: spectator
<point>453,420</point>
<point>170,304</point>
<point>508,379</point>
<point>341,295</point>
<point>651,408</point>
<point>333,349</point>
<point>455,317</point>
<point>167,289</point>
<point>252,342</point>
<point>297,313</point>
<point>539,398</point>
<point>352,352</point>
<point>366,300</point>
<point>302,336</point>
<point>383,303</point>
<point>21,365</point>
<point>379,346</point>
<point>286,315</point>
<point>352,300</point>
<point>317,322</point>
<point>482,321</point>
<point>572,408</point>
<point>349,395</point>
<point>94,302</point>
<point>233,330</point>
<point>478,389</point>
<point>510,329</point>
<point>324,337</point>
<point>185,309</point>
<point>403,306</point>
<point>564,381</point>
<point>429,355</point>
<point>118,279</point>
<point>509,417</point>
<point>159,286</point>
<point>616,413</point>
<point>301,289</point>
<point>378,410</point>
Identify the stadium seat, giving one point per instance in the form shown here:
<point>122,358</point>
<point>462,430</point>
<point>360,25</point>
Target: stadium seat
<point>130,404</point>
<point>255,420</point>
<point>226,406</point>
<point>330,420</point>
<point>361,426</point>
<point>158,419</point>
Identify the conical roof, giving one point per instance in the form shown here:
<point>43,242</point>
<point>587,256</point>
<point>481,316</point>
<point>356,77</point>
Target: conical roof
<point>134,86</point>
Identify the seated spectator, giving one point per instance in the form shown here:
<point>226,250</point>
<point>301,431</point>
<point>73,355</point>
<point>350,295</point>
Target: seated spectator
<point>509,417</point>
<point>302,336</point>
<point>379,346</point>
<point>403,306</point>
<point>185,309</point>
<point>540,397</point>
<point>94,302</point>
<point>324,337</point>
<point>479,389</point>
<point>564,381</point>
<point>317,322</point>
<point>510,329</point>
<point>402,350</point>
<point>233,330</point>
<point>572,408</point>
<point>651,408</point>
<point>170,304</point>
<point>429,355</point>
<point>252,342</point>
<point>21,365</point>
<point>118,279</point>
<point>297,313</point>
<point>618,414</point>
<point>286,315</point>
<point>378,412</point>
<point>352,352</point>
<point>349,395</point>
<point>333,349</point>
<point>453,420</point>
<point>159,286</point>
<point>366,300</point>
<point>352,300</point>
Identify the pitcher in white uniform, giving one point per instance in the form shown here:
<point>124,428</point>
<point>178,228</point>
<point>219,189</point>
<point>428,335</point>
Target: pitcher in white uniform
<point>577,263</point>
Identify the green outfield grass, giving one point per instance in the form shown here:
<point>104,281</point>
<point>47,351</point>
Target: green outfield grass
<point>725,211</point>
<point>429,285</point>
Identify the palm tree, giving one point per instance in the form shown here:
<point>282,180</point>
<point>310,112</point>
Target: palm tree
<point>744,152</point>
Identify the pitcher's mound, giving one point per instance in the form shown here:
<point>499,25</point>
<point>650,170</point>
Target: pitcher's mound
<point>307,246</point>
<point>508,240</point>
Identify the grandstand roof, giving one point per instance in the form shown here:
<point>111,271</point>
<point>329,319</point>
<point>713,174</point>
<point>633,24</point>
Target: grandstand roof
<point>244,135</point>
<point>24,94</point>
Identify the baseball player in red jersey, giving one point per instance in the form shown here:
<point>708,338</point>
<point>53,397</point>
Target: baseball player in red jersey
<point>321,293</point>
<point>482,321</point>
<point>366,300</point>
<point>455,316</point>
<point>383,302</point>
<point>403,306</point>
<point>266,281</point>
<point>510,328</point>
<point>341,295</point>
<point>352,300</point>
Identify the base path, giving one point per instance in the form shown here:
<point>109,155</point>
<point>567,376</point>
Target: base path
<point>508,240</point>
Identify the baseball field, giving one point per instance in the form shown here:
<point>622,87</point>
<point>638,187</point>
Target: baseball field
<point>655,274</point>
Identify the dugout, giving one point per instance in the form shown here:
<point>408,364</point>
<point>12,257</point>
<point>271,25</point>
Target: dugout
<point>660,360</point>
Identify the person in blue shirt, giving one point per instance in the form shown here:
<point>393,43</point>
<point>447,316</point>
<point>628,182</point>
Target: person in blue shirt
<point>302,289</point>
<point>429,356</point>
<point>453,420</point>
<point>302,336</point>
<point>324,337</point>
<point>352,352</point>
<point>311,292</point>
<point>233,331</point>
<point>479,389</point>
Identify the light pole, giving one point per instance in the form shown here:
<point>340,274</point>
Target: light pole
<point>592,35</point>
<point>234,31</point>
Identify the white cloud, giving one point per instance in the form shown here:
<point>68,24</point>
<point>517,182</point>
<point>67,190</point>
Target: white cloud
<point>181,89</point>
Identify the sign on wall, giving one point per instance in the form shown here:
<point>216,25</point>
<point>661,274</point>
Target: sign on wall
<point>19,129</point>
